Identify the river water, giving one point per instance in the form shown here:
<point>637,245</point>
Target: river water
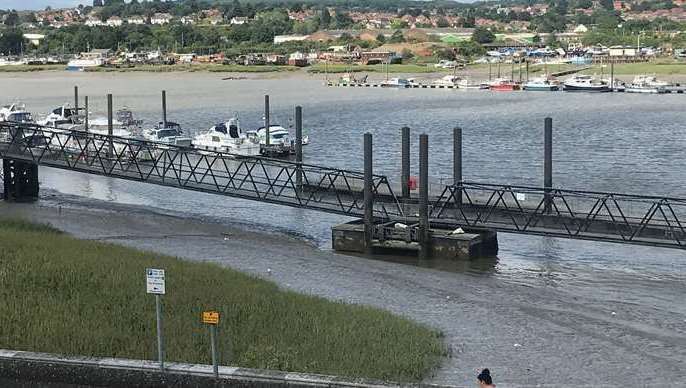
<point>610,142</point>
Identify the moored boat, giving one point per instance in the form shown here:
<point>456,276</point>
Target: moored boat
<point>585,83</point>
<point>396,83</point>
<point>504,85</point>
<point>647,84</point>
<point>227,137</point>
<point>546,84</point>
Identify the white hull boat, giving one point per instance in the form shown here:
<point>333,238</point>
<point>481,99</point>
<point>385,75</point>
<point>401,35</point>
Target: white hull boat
<point>227,138</point>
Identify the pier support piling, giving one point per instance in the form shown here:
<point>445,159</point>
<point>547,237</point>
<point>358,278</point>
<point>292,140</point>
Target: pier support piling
<point>299,148</point>
<point>164,108</point>
<point>20,180</point>
<point>424,239</point>
<point>548,163</point>
<point>405,162</point>
<point>368,193</point>
<point>457,165</point>
<point>76,100</point>
<point>266,120</point>
<point>612,76</point>
<point>85,117</point>
<point>110,126</point>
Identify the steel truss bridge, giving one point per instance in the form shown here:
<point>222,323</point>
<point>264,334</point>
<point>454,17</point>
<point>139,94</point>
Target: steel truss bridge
<point>588,215</point>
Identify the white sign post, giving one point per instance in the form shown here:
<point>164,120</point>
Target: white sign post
<point>155,284</point>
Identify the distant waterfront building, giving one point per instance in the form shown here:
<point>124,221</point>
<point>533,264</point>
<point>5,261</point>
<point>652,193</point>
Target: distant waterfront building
<point>289,38</point>
<point>34,39</point>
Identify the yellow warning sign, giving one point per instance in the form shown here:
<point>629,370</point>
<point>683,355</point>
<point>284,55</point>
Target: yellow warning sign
<point>210,317</point>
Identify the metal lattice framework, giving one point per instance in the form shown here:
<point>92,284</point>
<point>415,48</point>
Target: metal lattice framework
<point>575,214</point>
<point>645,220</point>
<point>268,180</point>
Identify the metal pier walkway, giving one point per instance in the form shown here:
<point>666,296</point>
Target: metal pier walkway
<point>611,217</point>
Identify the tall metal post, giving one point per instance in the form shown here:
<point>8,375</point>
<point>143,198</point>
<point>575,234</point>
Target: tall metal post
<point>215,356</point>
<point>160,343</point>
<point>299,148</point>
<point>405,162</point>
<point>424,196</point>
<point>527,71</point>
<point>85,119</point>
<point>76,100</point>
<point>164,108</point>
<point>612,75</point>
<point>110,127</point>
<point>548,164</point>
<point>457,164</point>
<point>368,194</point>
<point>266,120</point>
<point>490,65</point>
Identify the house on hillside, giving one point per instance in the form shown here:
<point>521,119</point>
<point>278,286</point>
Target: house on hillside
<point>93,21</point>
<point>161,18</point>
<point>238,20</point>
<point>114,21</point>
<point>135,19</point>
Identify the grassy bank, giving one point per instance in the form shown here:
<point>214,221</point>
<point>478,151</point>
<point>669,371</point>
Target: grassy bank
<point>30,68</point>
<point>342,68</point>
<point>208,67</point>
<point>69,296</point>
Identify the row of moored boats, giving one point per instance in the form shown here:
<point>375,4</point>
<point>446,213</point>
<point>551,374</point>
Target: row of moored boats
<point>227,137</point>
<point>576,83</point>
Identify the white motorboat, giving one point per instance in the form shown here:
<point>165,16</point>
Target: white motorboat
<point>396,83</point>
<point>171,134</point>
<point>227,137</point>
<point>586,83</point>
<point>81,64</point>
<point>546,84</point>
<point>16,113</point>
<point>61,117</point>
<point>647,84</point>
<point>448,80</point>
<point>467,83</point>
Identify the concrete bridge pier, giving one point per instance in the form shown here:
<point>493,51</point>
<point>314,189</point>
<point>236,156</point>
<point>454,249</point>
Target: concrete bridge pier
<point>20,180</point>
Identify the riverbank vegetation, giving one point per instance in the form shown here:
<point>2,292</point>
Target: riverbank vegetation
<point>69,296</point>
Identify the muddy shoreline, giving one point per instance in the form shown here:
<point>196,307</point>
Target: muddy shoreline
<point>528,335</point>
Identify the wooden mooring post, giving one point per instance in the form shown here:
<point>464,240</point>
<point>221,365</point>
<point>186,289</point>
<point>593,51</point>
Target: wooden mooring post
<point>548,163</point>
<point>299,149</point>
<point>424,238</point>
<point>457,164</point>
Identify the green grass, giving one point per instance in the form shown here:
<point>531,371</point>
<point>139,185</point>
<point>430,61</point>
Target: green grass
<point>342,68</point>
<point>205,67</point>
<point>30,68</point>
<point>78,297</point>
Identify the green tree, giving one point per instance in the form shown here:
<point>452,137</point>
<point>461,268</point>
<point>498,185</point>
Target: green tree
<point>482,35</point>
<point>381,38</point>
<point>97,3</point>
<point>324,18</point>
<point>398,24</point>
<point>12,18</point>
<point>397,37</point>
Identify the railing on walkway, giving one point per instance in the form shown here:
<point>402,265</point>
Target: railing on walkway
<point>613,217</point>
<point>257,178</point>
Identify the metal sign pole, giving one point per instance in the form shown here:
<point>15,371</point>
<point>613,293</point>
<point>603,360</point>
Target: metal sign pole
<point>160,347</point>
<point>215,357</point>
